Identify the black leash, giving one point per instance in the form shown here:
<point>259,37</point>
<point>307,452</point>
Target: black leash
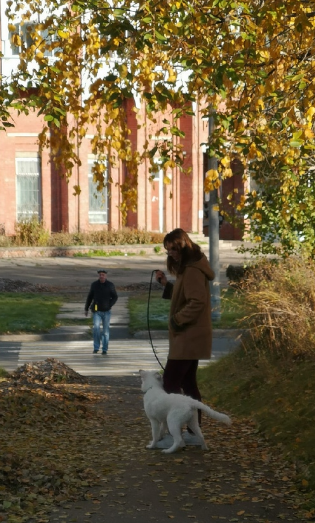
<point>148,322</point>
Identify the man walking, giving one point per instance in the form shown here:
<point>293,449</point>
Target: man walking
<point>101,298</point>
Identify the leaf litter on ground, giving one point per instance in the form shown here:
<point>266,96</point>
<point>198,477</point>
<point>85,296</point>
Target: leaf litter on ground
<point>74,444</point>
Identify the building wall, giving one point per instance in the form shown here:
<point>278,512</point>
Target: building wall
<point>63,211</point>
<point>160,206</point>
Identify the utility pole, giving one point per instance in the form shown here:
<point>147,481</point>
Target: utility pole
<point>214,256</point>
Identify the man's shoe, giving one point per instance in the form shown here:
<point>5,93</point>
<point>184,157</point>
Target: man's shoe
<point>95,351</point>
<point>104,352</point>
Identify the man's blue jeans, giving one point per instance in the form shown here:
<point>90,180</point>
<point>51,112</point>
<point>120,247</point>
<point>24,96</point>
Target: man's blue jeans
<point>101,321</point>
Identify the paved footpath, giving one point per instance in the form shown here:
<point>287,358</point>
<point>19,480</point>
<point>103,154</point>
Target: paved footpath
<point>73,344</point>
<point>237,480</point>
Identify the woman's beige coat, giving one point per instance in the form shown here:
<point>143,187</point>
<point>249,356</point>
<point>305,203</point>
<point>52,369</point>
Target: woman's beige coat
<point>190,331</point>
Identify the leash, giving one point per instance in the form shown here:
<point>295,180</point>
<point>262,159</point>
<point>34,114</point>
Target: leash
<point>148,322</point>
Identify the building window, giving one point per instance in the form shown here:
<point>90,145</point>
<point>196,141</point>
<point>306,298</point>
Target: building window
<point>24,31</point>
<point>28,191</point>
<point>98,200</point>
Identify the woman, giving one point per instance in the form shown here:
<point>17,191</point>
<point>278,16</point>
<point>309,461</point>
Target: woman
<point>190,332</point>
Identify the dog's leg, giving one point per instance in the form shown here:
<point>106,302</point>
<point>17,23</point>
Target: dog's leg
<point>163,430</point>
<point>175,429</point>
<point>155,426</point>
<point>194,426</point>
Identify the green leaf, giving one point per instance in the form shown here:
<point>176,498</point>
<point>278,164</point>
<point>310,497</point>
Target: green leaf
<point>153,151</point>
<point>111,78</point>
<point>159,36</point>
<point>177,132</point>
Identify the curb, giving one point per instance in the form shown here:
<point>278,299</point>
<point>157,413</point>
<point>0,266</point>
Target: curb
<point>163,335</point>
<point>126,249</point>
<point>140,335</point>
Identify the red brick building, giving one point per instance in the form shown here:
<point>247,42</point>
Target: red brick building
<point>31,186</point>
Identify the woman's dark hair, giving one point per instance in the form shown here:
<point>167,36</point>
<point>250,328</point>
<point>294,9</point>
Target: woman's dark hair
<point>187,249</point>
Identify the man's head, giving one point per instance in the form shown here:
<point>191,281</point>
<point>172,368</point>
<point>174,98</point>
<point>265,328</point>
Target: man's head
<point>102,275</point>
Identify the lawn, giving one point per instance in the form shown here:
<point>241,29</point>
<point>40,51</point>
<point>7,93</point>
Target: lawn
<point>157,309</point>
<point>278,395</point>
<point>21,312</point>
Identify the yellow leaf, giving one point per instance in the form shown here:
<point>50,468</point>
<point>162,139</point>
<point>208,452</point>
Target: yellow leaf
<point>63,34</point>
<point>310,113</point>
<point>169,163</point>
<point>225,161</point>
<point>212,174</point>
<point>309,133</point>
<point>76,190</point>
<point>124,71</point>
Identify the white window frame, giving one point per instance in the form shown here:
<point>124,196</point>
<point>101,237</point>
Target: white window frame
<point>98,200</point>
<point>24,31</point>
<point>28,208</point>
<point>158,175</point>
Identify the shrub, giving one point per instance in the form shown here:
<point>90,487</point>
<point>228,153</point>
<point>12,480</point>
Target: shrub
<point>281,301</point>
<point>114,237</point>
<point>31,233</point>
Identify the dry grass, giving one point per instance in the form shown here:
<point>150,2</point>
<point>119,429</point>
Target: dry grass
<point>280,297</point>
<point>33,233</point>
<point>270,379</point>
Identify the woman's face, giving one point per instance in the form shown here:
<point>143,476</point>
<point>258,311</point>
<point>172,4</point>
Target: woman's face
<point>175,254</point>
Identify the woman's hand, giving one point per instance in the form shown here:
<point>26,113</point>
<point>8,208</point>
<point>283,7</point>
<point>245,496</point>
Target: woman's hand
<point>161,278</point>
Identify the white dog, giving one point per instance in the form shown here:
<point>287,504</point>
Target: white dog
<point>172,411</point>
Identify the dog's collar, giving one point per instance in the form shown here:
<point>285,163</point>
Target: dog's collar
<point>144,392</point>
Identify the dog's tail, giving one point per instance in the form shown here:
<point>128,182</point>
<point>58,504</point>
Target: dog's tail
<point>219,416</point>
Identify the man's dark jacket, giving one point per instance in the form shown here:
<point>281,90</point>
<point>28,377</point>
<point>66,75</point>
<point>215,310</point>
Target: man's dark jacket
<point>103,295</point>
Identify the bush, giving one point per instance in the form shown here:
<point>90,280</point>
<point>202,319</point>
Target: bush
<point>31,233</point>
<point>124,236</point>
<point>280,297</point>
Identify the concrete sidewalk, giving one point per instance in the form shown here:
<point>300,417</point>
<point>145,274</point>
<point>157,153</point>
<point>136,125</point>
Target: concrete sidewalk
<point>238,479</point>
<point>76,273</point>
<point>73,345</point>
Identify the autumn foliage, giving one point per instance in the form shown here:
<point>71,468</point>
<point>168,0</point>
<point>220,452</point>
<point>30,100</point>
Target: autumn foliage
<point>247,65</point>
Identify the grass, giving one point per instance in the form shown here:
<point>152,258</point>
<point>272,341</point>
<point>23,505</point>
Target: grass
<point>105,254</point>
<point>138,309</point>
<point>3,374</point>
<point>21,312</point>
<point>232,310</point>
<point>278,393</point>
<point>271,378</point>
